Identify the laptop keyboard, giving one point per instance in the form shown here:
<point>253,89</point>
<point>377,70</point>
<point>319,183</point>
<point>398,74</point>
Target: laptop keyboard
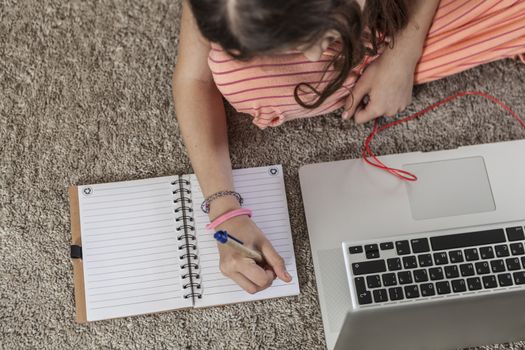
<point>425,267</point>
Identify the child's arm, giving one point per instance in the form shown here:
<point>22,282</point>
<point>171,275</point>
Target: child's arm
<point>412,38</point>
<point>388,81</point>
<point>202,120</point>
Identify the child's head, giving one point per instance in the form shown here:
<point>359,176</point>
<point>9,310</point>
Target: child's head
<point>247,28</point>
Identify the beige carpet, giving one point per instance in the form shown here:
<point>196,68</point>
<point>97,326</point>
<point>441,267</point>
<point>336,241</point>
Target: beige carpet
<point>85,97</point>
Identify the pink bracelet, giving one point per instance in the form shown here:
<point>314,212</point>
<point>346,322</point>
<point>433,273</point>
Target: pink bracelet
<point>227,216</point>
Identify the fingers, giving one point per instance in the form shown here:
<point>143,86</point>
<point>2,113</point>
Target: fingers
<point>275,261</point>
<point>245,283</point>
<point>247,274</point>
<point>361,89</point>
<point>373,110</point>
<point>366,114</point>
<point>255,273</point>
<point>245,271</point>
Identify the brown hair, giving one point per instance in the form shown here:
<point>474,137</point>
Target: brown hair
<point>246,28</point>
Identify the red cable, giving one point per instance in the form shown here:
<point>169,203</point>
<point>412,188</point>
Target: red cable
<point>405,175</point>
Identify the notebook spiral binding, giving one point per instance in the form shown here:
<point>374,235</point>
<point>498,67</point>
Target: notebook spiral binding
<point>186,236</point>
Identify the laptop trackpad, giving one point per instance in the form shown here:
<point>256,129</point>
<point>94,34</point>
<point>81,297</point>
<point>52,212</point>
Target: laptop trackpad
<point>449,188</point>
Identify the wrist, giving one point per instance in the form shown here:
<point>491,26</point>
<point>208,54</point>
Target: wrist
<point>243,228</point>
<point>227,216</point>
<point>407,55</point>
<point>408,44</point>
<point>223,205</point>
<point>233,222</point>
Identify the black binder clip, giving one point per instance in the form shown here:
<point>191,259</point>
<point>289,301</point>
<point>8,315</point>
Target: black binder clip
<point>76,252</point>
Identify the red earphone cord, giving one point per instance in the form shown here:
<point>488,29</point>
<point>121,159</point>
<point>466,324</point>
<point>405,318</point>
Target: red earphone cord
<point>405,175</point>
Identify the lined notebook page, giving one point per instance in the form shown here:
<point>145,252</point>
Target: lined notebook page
<point>130,248</point>
<point>263,192</point>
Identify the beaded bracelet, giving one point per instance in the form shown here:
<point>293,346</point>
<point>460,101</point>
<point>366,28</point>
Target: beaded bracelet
<point>205,206</point>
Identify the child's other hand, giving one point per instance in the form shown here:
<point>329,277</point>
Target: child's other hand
<point>384,89</point>
<point>245,271</point>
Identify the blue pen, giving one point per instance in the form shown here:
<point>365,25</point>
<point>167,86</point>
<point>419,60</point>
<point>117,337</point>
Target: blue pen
<point>225,238</point>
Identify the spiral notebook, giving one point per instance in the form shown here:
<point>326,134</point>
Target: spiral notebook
<point>142,247</point>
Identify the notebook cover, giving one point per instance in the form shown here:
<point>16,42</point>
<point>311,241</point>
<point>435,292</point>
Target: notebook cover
<point>78,268</point>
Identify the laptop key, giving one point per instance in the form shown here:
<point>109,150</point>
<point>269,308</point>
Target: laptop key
<point>513,264</point>
<point>420,245</point>
<point>440,258</point>
<point>371,247</point>
<point>471,254</point>
<point>364,298</point>
<point>456,256</point>
<point>443,287</point>
<point>497,265</point>
<point>403,247</point>
<point>355,249</point>
<point>372,251</point>
<point>523,261</point>
<point>394,264</point>
<point>519,277</point>
<point>517,249</point>
<point>373,254</point>
<point>395,293</point>
<point>486,252</point>
<point>469,239</point>
<point>490,282</point>
<point>368,267</point>
<point>451,271</point>
<point>474,283</point>
<point>389,279</point>
<point>515,233</point>
<point>380,295</point>
<point>360,285</point>
<point>425,260</point>
<point>373,281</point>
<point>386,245</point>
<point>459,286</point>
<point>436,273</point>
<point>502,250</point>
<point>404,277</point>
<point>411,291</point>
<point>466,269</point>
<point>409,262</point>
<point>505,280</point>
<point>427,289</point>
<point>420,275</point>
<point>482,267</point>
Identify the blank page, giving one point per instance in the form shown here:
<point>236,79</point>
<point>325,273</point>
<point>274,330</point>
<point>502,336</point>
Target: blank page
<point>130,248</point>
<point>263,192</point>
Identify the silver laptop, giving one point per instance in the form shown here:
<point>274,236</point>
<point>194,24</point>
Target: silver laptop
<point>434,264</point>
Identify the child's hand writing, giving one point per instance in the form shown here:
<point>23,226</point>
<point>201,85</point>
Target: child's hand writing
<point>245,271</point>
<point>384,89</point>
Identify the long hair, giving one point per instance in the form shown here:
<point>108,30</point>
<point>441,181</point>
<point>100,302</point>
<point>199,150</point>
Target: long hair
<point>248,28</point>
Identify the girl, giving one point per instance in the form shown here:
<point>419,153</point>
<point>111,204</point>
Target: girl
<point>280,60</point>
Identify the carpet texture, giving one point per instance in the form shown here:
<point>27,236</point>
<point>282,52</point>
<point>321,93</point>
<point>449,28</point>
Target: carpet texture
<point>85,97</point>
